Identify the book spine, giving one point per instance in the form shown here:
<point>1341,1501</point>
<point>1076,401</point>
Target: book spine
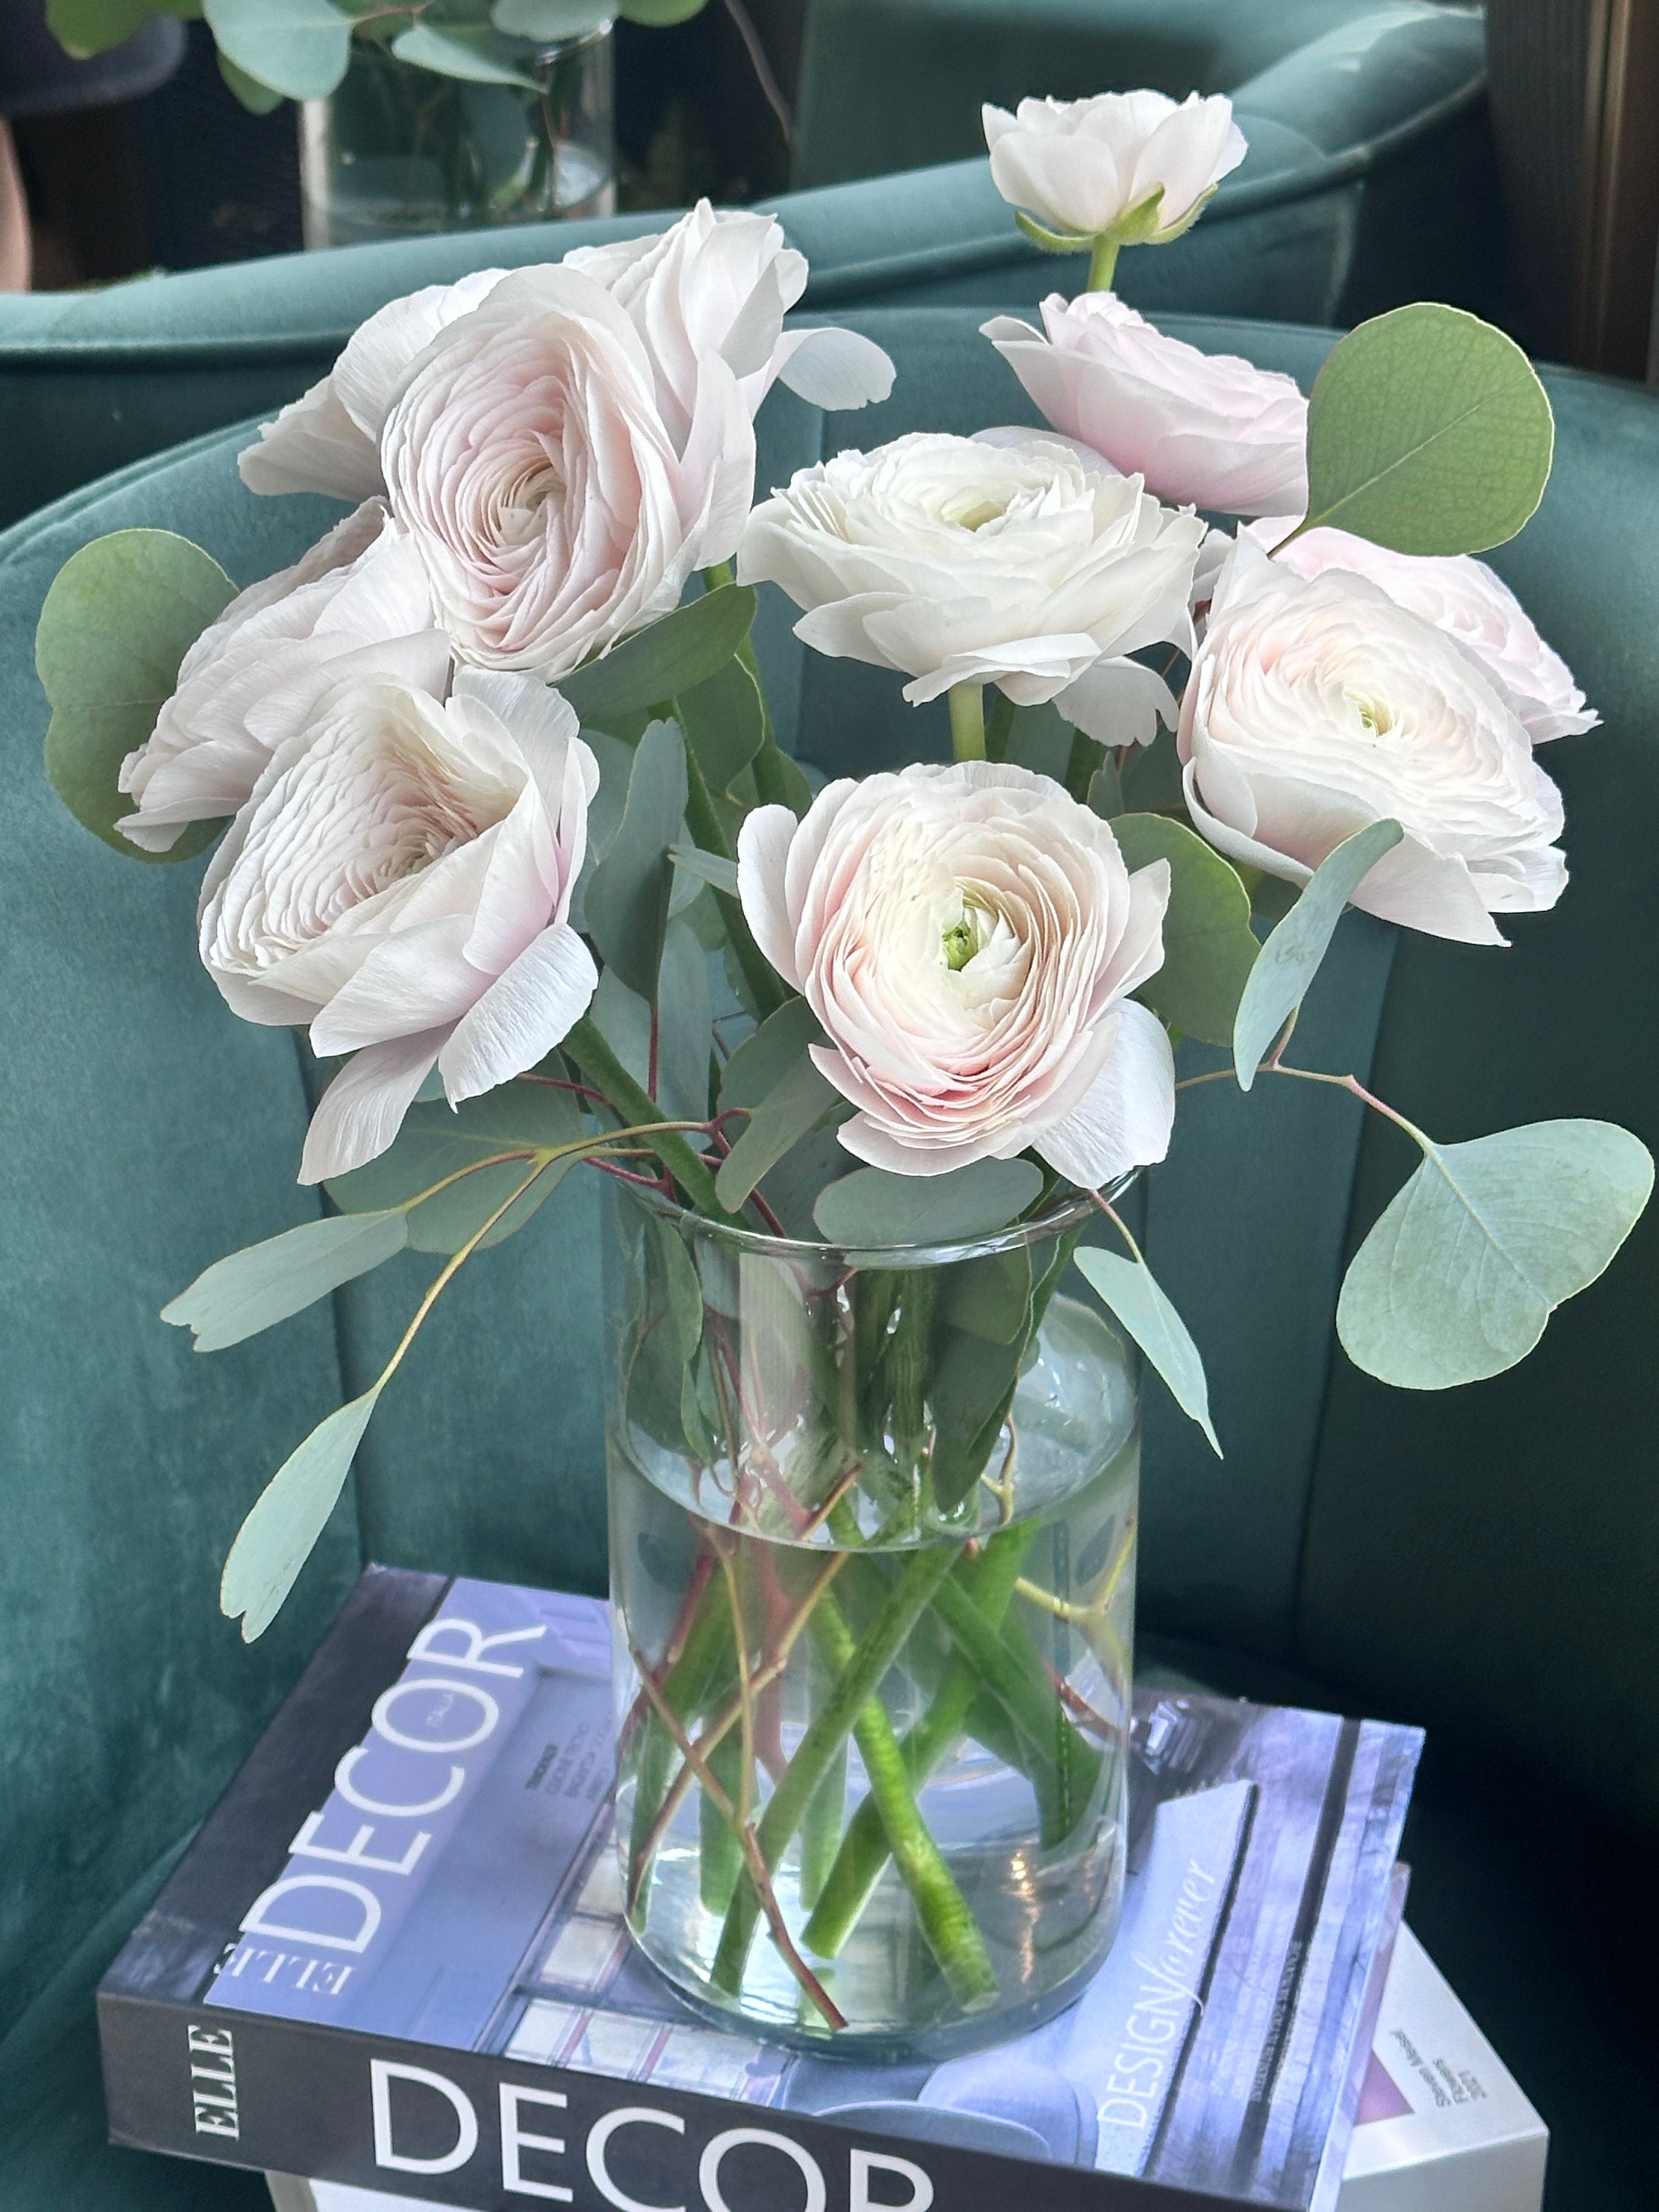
<point>464,2128</point>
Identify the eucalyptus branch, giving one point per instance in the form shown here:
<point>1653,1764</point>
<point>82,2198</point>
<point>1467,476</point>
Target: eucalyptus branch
<point>704,823</point>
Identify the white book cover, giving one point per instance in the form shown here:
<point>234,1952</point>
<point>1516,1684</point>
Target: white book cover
<point>1442,2125</point>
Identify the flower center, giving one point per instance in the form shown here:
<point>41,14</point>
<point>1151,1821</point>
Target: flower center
<point>962,939</point>
<point>1376,715</point>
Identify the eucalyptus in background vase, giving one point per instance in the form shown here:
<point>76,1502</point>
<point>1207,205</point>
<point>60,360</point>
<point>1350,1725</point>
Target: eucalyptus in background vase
<point>440,115</point>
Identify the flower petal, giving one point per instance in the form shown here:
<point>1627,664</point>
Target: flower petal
<point>530,1007</point>
<point>363,1110</point>
<point>1125,1119</point>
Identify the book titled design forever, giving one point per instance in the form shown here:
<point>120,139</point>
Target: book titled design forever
<point>395,1956</point>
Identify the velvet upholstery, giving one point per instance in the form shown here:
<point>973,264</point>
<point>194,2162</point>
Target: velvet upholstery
<point>1484,1561</point>
<point>1358,145</point>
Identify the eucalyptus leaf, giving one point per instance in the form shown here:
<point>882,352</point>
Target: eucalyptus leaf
<point>549,20</point>
<point>289,1516</point>
<point>1040,739</point>
<point>258,99</point>
<point>725,723</point>
<point>1149,779</point>
<point>779,780</point>
<point>1289,960</point>
<point>1209,949</point>
<point>119,618</point>
<point>799,1103</point>
<point>263,1284</point>
<point>1128,1290</point>
<point>297,47</point>
<point>626,901</point>
<point>1428,431</point>
<point>712,868</point>
<point>622,1018</point>
<point>659,14</point>
<point>524,1118</point>
<point>681,651</point>
<point>1106,791</point>
<point>683,1023</point>
<point>870,1208</point>
<point>666,1334</point>
<point>83,27</point>
<point>473,53</point>
<point>973,1386</point>
<point>1464,1266</point>
<point>765,1057</point>
<point>990,1296</point>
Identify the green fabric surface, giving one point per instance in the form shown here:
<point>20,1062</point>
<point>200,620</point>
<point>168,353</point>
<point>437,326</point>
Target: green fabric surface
<point>1359,141</point>
<point>1483,1561</point>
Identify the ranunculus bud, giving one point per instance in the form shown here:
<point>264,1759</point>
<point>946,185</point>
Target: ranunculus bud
<point>1013,559</point>
<point>1317,706</point>
<point>1083,166</point>
<point>969,936</point>
<point>357,603</point>
<point>1465,597</point>
<point>400,879</point>
<point>1204,429</point>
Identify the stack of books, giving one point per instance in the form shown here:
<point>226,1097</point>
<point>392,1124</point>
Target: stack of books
<point>392,1970</point>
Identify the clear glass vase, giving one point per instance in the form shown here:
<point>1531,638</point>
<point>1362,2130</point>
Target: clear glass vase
<point>872,1546</point>
<point>398,151</point>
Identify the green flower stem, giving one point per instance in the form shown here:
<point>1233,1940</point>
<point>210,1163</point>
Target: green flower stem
<point>821,1830</point>
<point>945,1917</point>
<point>720,1852</point>
<point>687,1688</point>
<point>1011,1670</point>
<point>595,1060</point>
<point>704,823</point>
<point>968,722</point>
<point>865,1849</point>
<point>854,1686</point>
<point>999,726</point>
<point>1103,266</point>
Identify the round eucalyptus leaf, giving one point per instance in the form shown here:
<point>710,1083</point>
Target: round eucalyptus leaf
<point>121,615</point>
<point>1463,1268</point>
<point>475,54</point>
<point>93,26</point>
<point>658,15</point>
<point>549,20</point>
<point>1428,431</point>
<point>871,1210</point>
<point>298,47</point>
<point>1209,949</point>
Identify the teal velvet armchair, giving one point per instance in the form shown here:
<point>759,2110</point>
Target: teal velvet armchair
<point>1360,144</point>
<point>1483,1562</point>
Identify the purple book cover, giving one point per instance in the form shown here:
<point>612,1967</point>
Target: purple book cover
<point>395,1956</point>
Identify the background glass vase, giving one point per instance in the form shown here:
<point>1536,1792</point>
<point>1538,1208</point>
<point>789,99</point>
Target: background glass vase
<point>873,1546</point>
<point>397,150</point>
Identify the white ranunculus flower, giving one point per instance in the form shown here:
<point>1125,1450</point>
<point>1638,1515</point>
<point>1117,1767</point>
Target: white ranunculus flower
<point>1204,429</point>
<point>1081,166</point>
<point>721,282</point>
<point>713,287</point>
<point>400,880</point>
<point>1317,706</point>
<point>969,936</point>
<point>529,460</point>
<point>1015,559</point>
<point>358,603</point>
<point>1462,595</point>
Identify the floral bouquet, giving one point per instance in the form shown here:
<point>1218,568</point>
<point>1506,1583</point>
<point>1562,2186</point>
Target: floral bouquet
<point>498,817</point>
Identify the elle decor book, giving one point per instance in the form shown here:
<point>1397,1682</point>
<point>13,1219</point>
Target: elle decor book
<point>394,1957</point>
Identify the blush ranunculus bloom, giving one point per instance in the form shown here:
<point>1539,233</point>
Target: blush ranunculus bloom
<point>1080,165</point>
<point>1468,600</point>
<point>400,880</point>
<point>713,287</point>
<point>529,460</point>
<point>358,604</point>
<point>1205,430</point>
<point>1014,559</point>
<point>1318,706</point>
<point>968,937</point>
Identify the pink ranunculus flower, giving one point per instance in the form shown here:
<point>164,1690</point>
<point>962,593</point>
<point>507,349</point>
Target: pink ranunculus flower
<point>1205,430</point>
<point>553,507</point>
<point>1318,706</point>
<point>358,603</point>
<point>969,937</point>
<point>1465,597</point>
<point>400,880</point>
<point>1081,165</point>
<point>714,287</point>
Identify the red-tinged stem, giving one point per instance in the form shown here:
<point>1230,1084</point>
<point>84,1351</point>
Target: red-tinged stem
<point>759,1872</point>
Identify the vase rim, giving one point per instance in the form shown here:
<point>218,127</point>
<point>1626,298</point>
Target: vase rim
<point>1067,1209</point>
